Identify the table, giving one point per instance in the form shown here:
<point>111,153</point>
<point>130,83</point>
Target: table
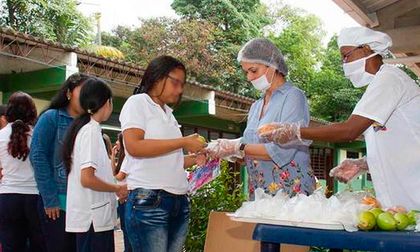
<point>271,236</point>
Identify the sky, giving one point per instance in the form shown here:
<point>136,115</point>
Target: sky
<point>128,12</point>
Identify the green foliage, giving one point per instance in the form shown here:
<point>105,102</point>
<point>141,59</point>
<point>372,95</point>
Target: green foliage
<point>57,20</point>
<point>238,20</point>
<point>220,195</point>
<point>332,96</point>
<point>191,41</point>
<point>299,39</point>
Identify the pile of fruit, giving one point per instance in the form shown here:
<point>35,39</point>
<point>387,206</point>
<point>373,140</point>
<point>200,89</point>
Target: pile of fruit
<point>391,219</point>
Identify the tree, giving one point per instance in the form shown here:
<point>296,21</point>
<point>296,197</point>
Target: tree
<point>332,96</point>
<point>238,20</point>
<point>57,20</point>
<point>191,41</point>
<point>298,35</point>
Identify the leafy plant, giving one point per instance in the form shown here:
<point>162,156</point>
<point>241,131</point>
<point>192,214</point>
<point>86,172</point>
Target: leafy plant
<point>222,194</point>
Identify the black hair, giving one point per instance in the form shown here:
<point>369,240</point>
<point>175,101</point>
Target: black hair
<point>3,109</point>
<point>93,96</point>
<point>157,70</point>
<point>108,144</point>
<point>60,100</point>
<point>121,154</point>
<point>21,112</point>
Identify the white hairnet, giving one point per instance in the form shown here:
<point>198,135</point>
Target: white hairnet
<point>355,36</point>
<point>263,51</point>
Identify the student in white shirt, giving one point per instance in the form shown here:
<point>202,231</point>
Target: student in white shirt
<point>20,227</point>
<point>388,114</point>
<point>91,202</point>
<point>157,209</point>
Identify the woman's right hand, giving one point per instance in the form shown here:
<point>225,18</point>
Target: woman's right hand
<point>194,143</point>
<point>52,212</point>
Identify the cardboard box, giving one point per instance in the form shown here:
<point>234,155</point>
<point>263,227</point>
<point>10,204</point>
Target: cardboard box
<point>225,235</point>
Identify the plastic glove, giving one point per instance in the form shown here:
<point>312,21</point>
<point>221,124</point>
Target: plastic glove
<point>282,133</point>
<point>225,148</point>
<point>349,169</point>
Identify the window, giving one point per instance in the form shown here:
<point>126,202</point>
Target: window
<point>321,161</point>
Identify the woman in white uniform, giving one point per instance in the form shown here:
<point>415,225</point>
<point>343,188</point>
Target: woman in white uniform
<point>388,115</point>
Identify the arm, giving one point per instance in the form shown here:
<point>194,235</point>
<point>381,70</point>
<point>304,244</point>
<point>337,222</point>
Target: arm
<point>120,176</point>
<point>338,132</point>
<point>137,146</point>
<point>257,151</point>
<point>89,180</point>
<point>41,154</point>
<point>113,163</point>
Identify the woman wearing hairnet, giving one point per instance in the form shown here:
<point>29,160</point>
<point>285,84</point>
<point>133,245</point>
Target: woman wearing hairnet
<point>388,115</point>
<point>270,166</point>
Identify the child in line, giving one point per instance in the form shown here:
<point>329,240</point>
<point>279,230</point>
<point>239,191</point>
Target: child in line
<point>91,202</point>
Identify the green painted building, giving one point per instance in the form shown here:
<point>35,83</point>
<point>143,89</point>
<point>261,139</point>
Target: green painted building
<point>39,67</point>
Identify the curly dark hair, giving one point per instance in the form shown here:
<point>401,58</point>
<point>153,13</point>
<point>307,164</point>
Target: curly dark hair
<point>21,112</point>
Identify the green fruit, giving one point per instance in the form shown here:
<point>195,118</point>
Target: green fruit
<point>386,221</point>
<point>376,211</point>
<point>367,220</point>
<point>412,216</point>
<point>202,139</point>
<point>402,220</point>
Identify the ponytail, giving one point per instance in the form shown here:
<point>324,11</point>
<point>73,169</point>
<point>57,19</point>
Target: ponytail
<point>21,111</point>
<point>70,138</point>
<point>93,95</point>
<point>18,144</point>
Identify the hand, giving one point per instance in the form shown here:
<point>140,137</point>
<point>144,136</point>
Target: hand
<point>349,169</point>
<point>114,152</point>
<point>200,159</point>
<point>53,212</point>
<point>282,133</point>
<point>225,148</point>
<point>193,143</point>
<point>122,192</point>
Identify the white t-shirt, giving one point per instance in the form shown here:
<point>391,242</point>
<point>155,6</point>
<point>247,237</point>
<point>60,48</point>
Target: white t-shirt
<point>392,100</point>
<point>165,171</point>
<point>85,206</point>
<point>18,175</point>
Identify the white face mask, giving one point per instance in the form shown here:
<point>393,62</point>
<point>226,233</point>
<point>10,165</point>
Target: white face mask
<point>261,83</point>
<point>355,71</point>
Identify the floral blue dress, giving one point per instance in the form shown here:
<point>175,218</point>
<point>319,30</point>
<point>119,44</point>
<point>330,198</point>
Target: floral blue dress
<point>290,168</point>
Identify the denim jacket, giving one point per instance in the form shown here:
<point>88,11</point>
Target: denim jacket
<point>46,157</point>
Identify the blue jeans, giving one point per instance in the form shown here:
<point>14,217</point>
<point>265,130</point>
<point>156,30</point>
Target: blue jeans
<point>20,228</point>
<point>121,213</point>
<point>56,237</point>
<point>157,221</point>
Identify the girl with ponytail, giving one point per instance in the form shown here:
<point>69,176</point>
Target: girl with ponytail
<point>19,222</point>
<point>91,201</point>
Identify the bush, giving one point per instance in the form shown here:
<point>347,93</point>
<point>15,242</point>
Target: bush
<point>220,195</point>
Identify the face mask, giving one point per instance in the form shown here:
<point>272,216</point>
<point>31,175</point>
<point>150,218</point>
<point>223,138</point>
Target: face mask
<point>262,83</point>
<point>355,71</point>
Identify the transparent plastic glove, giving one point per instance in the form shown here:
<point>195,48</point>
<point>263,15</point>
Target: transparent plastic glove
<point>225,148</point>
<point>282,133</point>
<point>349,169</point>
